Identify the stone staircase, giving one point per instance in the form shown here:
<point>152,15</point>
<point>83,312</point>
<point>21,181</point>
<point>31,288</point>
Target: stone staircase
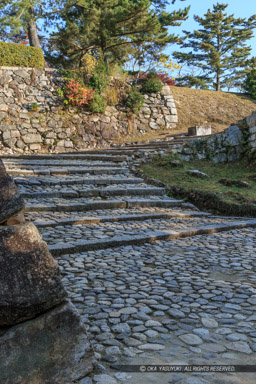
<point>114,235</point>
<point>92,201</point>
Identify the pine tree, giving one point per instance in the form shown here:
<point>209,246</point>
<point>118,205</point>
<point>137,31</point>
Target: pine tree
<point>219,47</point>
<point>111,29</point>
<point>17,17</point>
<point>250,83</point>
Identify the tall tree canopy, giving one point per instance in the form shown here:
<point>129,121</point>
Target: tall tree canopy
<point>112,29</point>
<point>219,47</point>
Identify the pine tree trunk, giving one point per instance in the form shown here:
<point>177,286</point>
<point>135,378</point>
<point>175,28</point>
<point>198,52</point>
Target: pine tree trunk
<point>218,81</point>
<point>32,31</point>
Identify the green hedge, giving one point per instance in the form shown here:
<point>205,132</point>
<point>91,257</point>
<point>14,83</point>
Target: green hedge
<point>19,55</point>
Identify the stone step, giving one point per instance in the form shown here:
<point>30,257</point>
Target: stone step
<point>70,156</point>
<point>103,204</point>
<point>57,163</point>
<point>56,216</point>
<point>118,218</point>
<point>107,229</point>
<point>69,171</point>
<point>106,192</point>
<point>126,147</point>
<point>145,237</point>
<point>154,145</point>
<point>146,148</point>
<point>69,181</point>
<point>107,151</point>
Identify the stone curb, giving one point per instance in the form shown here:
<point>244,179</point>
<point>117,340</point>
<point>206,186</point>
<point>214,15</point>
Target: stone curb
<point>69,157</point>
<point>147,237</point>
<point>93,171</point>
<point>81,181</point>
<point>105,219</point>
<point>57,165</point>
<point>112,204</point>
<point>97,193</point>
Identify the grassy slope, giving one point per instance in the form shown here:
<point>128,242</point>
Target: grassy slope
<point>203,107</point>
<point>234,171</point>
<point>196,107</point>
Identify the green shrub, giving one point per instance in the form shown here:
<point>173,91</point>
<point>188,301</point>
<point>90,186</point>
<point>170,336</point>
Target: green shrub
<point>98,104</point>
<point>151,84</point>
<point>19,55</point>
<point>250,83</point>
<point>134,100</point>
<point>99,77</point>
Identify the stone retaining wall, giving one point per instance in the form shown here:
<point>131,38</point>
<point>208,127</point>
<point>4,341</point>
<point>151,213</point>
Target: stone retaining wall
<point>251,124</point>
<point>231,145</point>
<point>51,128</point>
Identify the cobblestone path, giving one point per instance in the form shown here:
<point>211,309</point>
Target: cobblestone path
<point>155,280</point>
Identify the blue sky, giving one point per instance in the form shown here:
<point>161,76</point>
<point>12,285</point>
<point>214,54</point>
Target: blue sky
<point>240,8</point>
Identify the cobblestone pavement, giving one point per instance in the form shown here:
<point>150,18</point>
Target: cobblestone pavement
<point>187,301</point>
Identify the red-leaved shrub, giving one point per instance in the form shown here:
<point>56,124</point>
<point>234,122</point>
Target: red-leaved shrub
<point>78,95</point>
<point>163,77</point>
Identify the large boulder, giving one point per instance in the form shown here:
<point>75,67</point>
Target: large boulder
<point>10,201</point>
<point>233,136</point>
<point>50,349</point>
<point>30,279</point>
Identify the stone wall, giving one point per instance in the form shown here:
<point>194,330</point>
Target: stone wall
<point>32,117</point>
<point>251,124</point>
<point>235,142</point>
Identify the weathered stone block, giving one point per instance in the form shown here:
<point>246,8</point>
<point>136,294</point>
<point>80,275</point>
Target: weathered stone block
<point>20,144</point>
<point>153,125</point>
<point>22,73</point>
<point>15,133</point>
<point>170,104</point>
<point>10,201</point>
<point>3,107</point>
<point>166,90</point>
<point>35,147</point>
<point>199,131</point>
<point>30,279</point>
<point>233,136</point>
<point>252,130</point>
<point>32,138</point>
<point>251,120</point>
<point>51,135</point>
<point>62,135</point>
<point>51,349</point>
<point>68,144</point>
<point>6,135</point>
<point>171,118</point>
<point>49,141</point>
<point>198,174</point>
<point>61,143</point>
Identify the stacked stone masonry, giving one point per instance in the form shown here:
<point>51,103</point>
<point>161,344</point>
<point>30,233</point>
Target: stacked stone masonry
<point>232,144</point>
<point>33,119</point>
<point>251,123</point>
